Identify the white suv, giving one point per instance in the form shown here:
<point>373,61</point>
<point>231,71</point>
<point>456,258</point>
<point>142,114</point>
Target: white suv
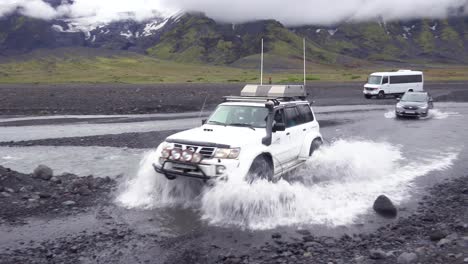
<point>265,133</point>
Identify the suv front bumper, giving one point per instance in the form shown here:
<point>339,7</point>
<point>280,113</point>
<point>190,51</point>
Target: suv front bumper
<point>415,113</point>
<point>204,171</point>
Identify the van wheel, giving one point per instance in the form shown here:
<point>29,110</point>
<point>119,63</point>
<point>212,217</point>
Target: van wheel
<point>261,168</point>
<point>368,96</point>
<point>381,95</point>
<point>315,145</point>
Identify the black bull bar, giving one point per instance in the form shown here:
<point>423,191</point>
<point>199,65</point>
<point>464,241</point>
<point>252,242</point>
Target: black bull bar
<point>172,174</point>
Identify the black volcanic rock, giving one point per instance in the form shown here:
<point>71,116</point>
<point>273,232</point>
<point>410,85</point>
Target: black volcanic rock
<point>384,206</point>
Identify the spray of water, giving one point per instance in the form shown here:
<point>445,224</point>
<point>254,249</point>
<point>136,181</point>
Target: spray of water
<point>150,190</point>
<point>433,114</point>
<point>335,186</point>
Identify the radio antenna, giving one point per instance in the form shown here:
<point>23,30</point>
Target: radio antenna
<point>261,66</point>
<point>303,43</point>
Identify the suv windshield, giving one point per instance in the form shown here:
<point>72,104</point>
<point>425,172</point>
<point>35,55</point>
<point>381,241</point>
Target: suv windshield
<point>236,115</point>
<point>414,97</point>
<point>375,80</point>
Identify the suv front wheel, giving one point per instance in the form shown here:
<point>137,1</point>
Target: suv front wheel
<point>261,168</point>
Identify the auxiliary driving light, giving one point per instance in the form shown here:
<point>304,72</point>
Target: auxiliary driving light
<point>220,169</point>
<point>187,155</point>
<point>166,153</point>
<point>176,154</point>
<point>197,157</point>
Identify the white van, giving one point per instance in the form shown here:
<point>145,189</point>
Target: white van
<point>381,84</point>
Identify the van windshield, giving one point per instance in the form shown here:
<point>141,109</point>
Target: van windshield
<point>236,115</point>
<point>374,79</point>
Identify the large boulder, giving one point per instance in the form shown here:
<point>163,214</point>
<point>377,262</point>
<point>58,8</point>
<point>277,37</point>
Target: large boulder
<point>43,172</point>
<point>384,206</point>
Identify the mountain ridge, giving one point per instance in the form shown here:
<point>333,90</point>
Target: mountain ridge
<point>196,38</point>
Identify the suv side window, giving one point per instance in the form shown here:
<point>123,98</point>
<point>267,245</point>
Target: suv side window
<point>279,116</point>
<point>306,113</point>
<point>293,118</point>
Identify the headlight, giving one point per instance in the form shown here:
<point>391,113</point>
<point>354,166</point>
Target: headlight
<point>227,153</point>
<point>187,155</point>
<point>424,106</point>
<point>176,154</point>
<point>166,153</point>
<point>197,157</point>
<point>399,105</point>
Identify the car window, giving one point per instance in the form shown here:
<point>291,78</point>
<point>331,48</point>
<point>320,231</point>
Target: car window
<point>374,79</point>
<point>239,115</point>
<point>292,117</point>
<point>385,80</point>
<point>406,79</point>
<point>279,116</point>
<point>414,97</point>
<point>306,113</point>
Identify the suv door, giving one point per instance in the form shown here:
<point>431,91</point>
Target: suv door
<point>281,142</point>
<point>294,129</point>
<point>308,117</point>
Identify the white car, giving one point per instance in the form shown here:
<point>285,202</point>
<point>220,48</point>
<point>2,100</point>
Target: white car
<point>265,133</point>
<point>381,84</point>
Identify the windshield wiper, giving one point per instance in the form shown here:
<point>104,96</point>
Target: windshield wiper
<point>242,125</point>
<point>216,123</point>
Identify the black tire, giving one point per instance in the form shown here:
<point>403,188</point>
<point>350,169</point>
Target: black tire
<point>261,168</point>
<point>314,146</point>
<point>381,95</point>
<point>368,96</point>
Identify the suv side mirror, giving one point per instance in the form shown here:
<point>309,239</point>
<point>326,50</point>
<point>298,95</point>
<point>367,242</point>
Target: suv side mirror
<point>398,98</point>
<point>279,127</point>
<point>203,121</point>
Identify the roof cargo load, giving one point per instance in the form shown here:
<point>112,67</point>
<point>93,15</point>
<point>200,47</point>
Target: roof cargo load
<point>256,90</point>
<point>274,91</point>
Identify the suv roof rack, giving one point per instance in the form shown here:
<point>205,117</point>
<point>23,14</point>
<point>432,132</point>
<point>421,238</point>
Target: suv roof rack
<point>266,93</point>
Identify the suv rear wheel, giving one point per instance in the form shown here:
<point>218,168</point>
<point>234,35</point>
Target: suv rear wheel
<point>315,145</point>
<point>261,168</point>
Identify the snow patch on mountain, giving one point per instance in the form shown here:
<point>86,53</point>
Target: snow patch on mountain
<point>152,27</point>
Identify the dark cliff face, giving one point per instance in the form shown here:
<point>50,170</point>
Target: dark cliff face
<point>20,34</point>
<point>197,38</point>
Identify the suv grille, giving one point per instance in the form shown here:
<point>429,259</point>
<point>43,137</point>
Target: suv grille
<point>206,152</point>
<point>410,107</point>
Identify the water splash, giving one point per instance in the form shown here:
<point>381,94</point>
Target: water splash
<point>335,186</point>
<point>150,190</point>
<point>390,114</point>
<point>438,114</point>
<point>433,114</point>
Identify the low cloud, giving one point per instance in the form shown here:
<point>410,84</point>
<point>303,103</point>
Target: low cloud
<point>292,12</point>
<point>32,8</point>
<point>299,12</point>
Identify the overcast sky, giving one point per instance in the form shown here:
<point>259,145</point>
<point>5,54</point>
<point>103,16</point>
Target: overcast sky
<point>289,12</point>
